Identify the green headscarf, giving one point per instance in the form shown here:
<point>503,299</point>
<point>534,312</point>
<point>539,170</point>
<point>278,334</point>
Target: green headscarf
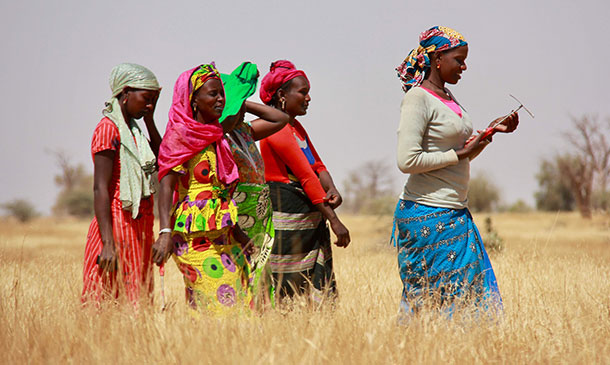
<point>239,86</point>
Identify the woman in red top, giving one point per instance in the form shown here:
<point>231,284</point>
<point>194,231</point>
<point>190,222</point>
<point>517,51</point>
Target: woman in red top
<point>120,236</point>
<point>302,193</point>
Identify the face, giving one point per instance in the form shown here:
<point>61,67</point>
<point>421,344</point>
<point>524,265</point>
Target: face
<point>139,102</point>
<point>209,101</point>
<point>297,97</point>
<point>452,64</point>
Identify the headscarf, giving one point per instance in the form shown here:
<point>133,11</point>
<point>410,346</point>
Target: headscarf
<point>137,158</point>
<point>185,137</point>
<point>280,72</point>
<point>239,86</point>
<point>412,71</point>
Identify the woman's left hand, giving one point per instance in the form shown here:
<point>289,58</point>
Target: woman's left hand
<point>333,198</point>
<point>508,125</point>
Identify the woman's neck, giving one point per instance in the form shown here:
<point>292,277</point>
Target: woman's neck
<point>437,85</point>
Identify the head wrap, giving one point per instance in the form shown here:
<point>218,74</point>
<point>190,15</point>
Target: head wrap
<point>185,137</point>
<point>413,69</point>
<point>137,158</point>
<point>202,74</point>
<point>280,72</point>
<point>132,75</point>
<point>239,86</point>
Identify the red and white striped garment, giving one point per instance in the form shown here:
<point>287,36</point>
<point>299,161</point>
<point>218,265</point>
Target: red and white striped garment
<point>133,237</point>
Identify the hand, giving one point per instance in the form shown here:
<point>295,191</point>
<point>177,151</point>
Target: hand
<point>248,247</point>
<point>508,125</point>
<point>341,232</point>
<point>107,260</point>
<point>333,198</point>
<point>162,249</point>
<point>148,117</point>
<point>474,145</point>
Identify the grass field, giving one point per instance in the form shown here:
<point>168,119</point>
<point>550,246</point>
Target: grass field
<point>554,275</point>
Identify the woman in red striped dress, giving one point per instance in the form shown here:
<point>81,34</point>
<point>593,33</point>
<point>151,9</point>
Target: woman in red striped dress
<point>118,250</point>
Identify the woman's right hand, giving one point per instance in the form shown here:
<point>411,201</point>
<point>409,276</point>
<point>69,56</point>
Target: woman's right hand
<point>341,232</point>
<point>162,248</point>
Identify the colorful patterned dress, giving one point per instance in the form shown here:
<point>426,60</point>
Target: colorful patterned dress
<point>133,237</point>
<point>255,213</point>
<point>216,272</point>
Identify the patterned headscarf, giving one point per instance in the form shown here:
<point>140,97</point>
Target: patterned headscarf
<point>185,137</point>
<point>280,72</point>
<point>202,74</point>
<point>137,158</point>
<point>413,69</point>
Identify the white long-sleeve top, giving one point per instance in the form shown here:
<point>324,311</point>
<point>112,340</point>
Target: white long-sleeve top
<point>428,136</point>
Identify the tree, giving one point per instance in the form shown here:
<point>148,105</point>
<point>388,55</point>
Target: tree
<point>483,194</point>
<point>555,192</point>
<point>587,168</point>
<point>368,189</point>
<point>76,195</point>
<point>21,209</point>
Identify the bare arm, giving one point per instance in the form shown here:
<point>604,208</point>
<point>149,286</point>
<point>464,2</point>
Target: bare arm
<point>270,120</point>
<point>163,246</point>
<point>103,162</point>
<point>332,193</point>
<point>153,133</point>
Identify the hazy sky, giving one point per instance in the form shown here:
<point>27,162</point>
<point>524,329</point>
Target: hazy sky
<point>57,56</point>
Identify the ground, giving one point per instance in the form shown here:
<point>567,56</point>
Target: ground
<point>554,276</point>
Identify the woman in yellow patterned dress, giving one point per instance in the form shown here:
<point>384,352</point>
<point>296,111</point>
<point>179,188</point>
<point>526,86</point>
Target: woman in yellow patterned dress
<point>197,168</point>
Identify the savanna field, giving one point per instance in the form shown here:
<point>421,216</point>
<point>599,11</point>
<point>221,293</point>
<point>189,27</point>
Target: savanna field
<point>554,276</point>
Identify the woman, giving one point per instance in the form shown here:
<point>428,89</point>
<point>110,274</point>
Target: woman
<point>440,253</point>
<point>302,192</point>
<point>202,231</point>
<point>121,234</point>
<point>252,194</point>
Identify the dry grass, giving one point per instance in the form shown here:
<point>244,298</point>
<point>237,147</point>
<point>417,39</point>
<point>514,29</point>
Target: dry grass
<point>554,276</point>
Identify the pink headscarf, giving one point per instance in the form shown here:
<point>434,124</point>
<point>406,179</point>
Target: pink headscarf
<point>185,137</point>
<point>279,73</point>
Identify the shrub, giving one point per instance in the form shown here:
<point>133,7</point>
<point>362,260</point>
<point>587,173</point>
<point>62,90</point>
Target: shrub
<point>21,209</point>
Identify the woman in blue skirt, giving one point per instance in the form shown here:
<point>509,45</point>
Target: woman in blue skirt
<point>440,252</point>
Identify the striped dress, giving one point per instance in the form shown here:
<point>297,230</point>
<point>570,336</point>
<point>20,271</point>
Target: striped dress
<point>133,237</point>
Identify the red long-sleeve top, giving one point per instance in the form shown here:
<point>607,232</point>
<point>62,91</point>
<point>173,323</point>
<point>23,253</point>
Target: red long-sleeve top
<point>289,155</point>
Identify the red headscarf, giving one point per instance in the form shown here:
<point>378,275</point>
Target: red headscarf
<point>280,72</point>
<point>185,137</point>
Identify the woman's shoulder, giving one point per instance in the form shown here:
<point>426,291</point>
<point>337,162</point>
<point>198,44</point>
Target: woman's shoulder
<point>416,94</point>
<point>106,126</point>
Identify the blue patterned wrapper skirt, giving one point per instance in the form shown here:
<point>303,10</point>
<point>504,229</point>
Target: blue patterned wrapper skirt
<point>442,259</point>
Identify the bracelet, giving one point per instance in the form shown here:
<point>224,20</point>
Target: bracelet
<point>165,230</point>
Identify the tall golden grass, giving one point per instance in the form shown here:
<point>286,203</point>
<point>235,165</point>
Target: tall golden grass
<point>554,276</point>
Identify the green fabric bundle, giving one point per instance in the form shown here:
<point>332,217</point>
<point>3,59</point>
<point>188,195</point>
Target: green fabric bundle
<point>239,86</point>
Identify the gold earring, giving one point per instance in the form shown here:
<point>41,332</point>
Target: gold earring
<point>283,104</point>
<point>194,109</point>
<point>125,101</point>
<point>438,66</point>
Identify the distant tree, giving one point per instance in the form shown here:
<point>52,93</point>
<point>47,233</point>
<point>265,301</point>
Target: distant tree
<point>368,189</point>
<point>587,168</point>
<point>21,209</point>
<point>76,195</point>
<point>554,191</point>
<point>579,175</point>
<point>518,207</point>
<point>483,194</point>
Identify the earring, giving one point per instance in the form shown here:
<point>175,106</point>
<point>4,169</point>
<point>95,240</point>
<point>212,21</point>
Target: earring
<point>194,109</point>
<point>438,66</point>
<point>283,104</point>
<point>125,101</point>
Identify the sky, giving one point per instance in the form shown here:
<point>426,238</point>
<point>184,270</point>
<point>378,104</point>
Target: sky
<point>57,57</point>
